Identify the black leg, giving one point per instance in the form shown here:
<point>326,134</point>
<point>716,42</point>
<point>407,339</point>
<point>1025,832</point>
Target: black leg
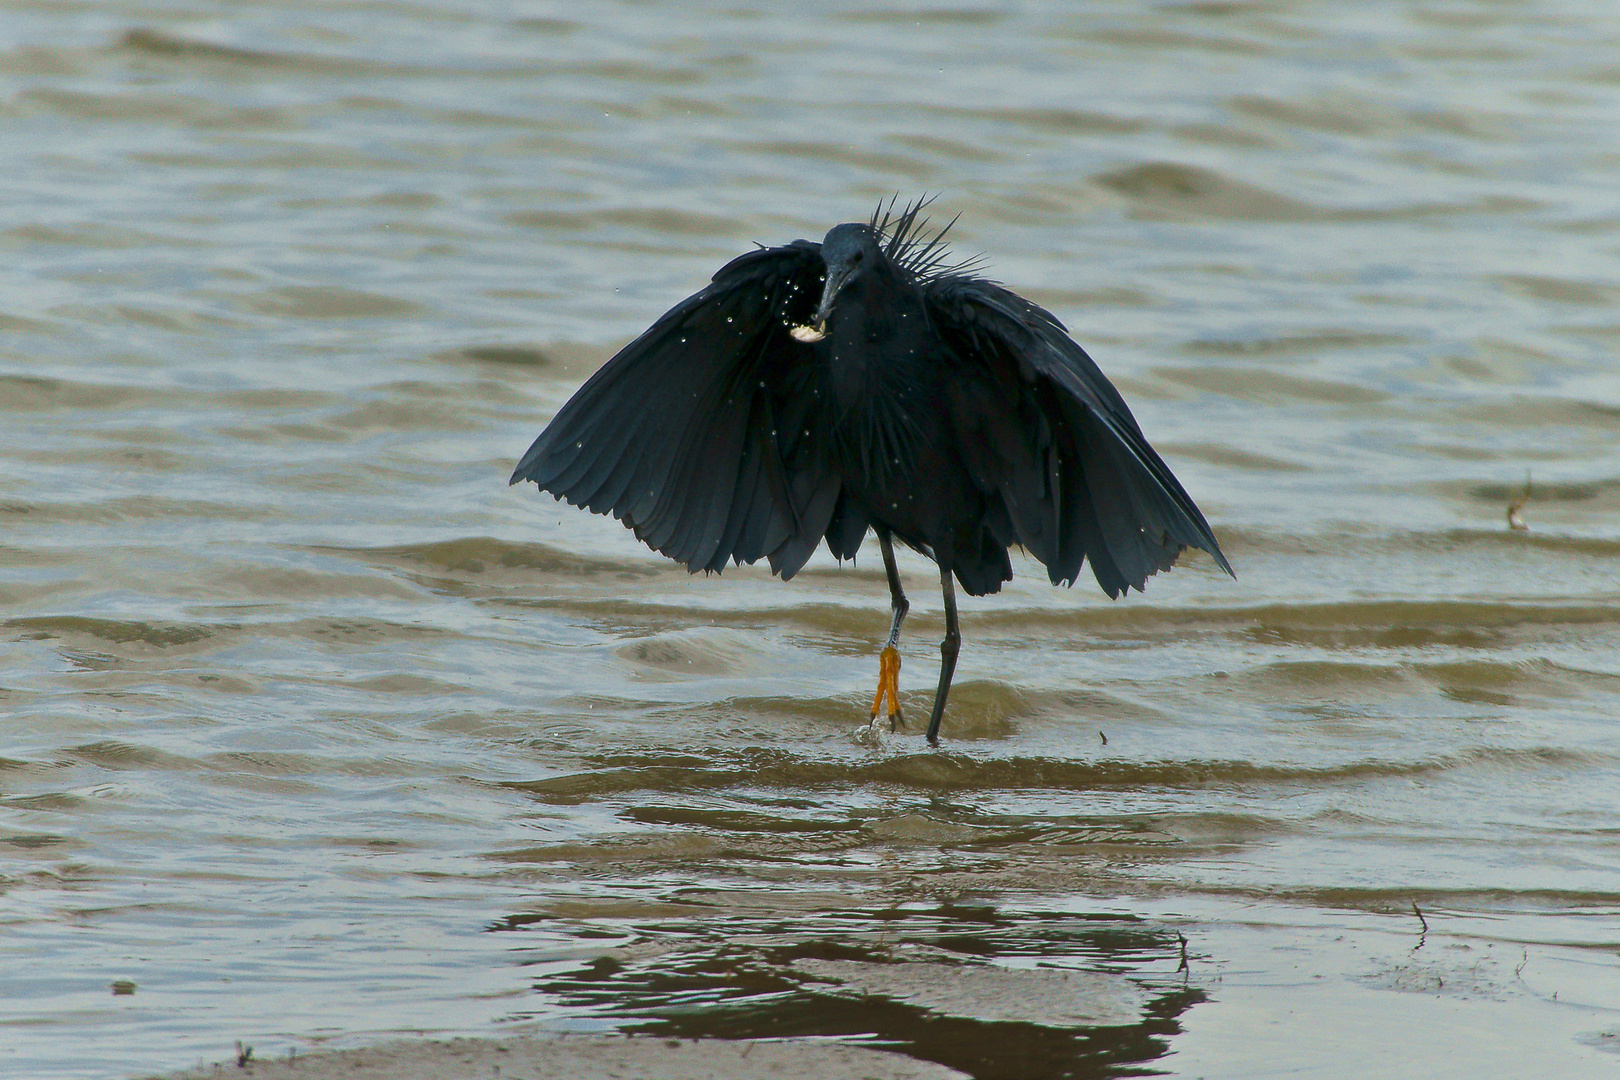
<point>897,596</point>
<point>889,665</point>
<point>947,655</point>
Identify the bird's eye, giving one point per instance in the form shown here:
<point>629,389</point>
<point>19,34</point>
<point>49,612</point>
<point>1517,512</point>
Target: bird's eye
<point>859,255</point>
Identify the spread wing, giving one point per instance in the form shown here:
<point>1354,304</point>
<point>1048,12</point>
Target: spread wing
<point>693,434</point>
<point>1059,445</point>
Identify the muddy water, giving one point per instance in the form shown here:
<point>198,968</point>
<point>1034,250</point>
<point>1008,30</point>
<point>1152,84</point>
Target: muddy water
<point>313,731</point>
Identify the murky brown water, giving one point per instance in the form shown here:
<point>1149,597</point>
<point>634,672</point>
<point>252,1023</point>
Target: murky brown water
<point>313,729</point>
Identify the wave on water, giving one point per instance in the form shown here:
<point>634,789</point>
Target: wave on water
<point>729,769</point>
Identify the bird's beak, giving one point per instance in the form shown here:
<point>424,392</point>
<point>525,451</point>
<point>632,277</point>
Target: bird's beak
<point>837,276</point>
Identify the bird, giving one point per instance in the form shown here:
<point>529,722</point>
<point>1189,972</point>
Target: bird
<point>815,392</point>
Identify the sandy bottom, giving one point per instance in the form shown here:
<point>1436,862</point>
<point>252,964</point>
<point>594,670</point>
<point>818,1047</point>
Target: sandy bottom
<point>587,1057</point>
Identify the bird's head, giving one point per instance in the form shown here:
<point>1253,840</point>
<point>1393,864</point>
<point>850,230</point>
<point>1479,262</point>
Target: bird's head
<point>849,251</point>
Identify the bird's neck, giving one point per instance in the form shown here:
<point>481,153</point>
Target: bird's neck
<point>872,339</point>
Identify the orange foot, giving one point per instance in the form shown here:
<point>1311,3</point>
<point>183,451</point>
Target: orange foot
<point>889,685</point>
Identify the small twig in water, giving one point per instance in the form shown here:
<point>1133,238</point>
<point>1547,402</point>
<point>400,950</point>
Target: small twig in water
<point>1183,966</point>
<point>1103,737</point>
<point>1425,923</point>
<point>244,1054</point>
<point>1515,519</point>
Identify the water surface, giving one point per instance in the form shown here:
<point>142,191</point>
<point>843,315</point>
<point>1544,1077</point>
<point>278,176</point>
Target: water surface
<point>312,730</point>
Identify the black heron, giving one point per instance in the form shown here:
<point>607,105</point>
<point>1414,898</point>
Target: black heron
<point>814,391</point>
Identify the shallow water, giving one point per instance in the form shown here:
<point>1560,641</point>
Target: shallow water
<point>311,729</point>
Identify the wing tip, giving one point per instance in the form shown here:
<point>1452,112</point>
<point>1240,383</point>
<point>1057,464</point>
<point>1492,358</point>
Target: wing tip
<point>1213,549</point>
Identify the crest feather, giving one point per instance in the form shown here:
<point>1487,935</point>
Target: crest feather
<point>906,241</point>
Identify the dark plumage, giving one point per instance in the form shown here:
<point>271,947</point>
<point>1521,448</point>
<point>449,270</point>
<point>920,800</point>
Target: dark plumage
<point>814,391</point>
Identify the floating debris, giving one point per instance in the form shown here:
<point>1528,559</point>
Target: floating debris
<point>1514,518</point>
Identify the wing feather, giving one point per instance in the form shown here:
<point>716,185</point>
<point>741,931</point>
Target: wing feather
<point>1086,485</point>
<point>673,435</point>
